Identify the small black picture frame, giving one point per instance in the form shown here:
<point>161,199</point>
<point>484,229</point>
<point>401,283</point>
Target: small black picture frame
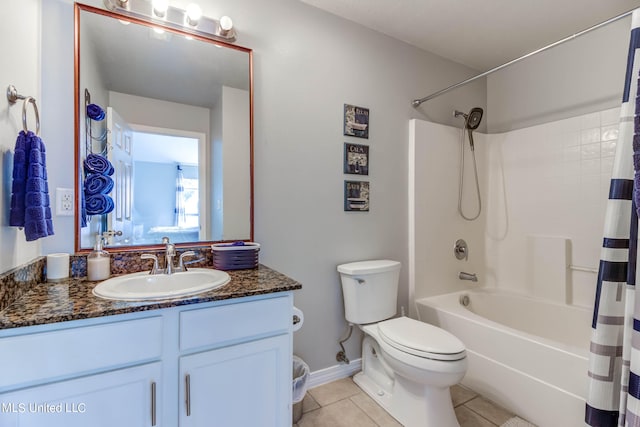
<point>356,196</point>
<point>356,121</point>
<point>356,159</point>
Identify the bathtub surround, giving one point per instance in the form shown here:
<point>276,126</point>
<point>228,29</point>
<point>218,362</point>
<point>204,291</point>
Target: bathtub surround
<point>546,189</point>
<point>525,354</point>
<point>613,366</point>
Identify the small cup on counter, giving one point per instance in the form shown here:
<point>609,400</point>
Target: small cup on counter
<point>57,267</point>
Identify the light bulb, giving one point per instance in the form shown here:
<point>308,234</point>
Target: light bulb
<point>158,30</point>
<point>194,13</point>
<point>226,24</point>
<point>160,8</point>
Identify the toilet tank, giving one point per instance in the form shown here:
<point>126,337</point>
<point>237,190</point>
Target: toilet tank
<point>370,290</point>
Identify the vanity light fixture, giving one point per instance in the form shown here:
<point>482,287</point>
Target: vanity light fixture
<point>160,8</point>
<point>226,25</point>
<point>190,20</point>
<point>193,14</point>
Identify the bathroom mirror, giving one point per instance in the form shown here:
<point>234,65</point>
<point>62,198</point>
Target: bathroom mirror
<point>171,112</point>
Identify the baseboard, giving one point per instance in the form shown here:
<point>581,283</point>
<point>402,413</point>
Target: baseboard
<point>332,373</point>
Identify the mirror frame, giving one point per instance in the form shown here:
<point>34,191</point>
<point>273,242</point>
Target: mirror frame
<point>79,7</point>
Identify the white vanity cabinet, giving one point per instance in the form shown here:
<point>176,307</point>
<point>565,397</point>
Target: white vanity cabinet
<point>247,383</point>
<point>123,398</point>
<point>225,363</point>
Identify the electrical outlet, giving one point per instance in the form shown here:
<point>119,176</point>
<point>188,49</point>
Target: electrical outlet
<point>64,201</point>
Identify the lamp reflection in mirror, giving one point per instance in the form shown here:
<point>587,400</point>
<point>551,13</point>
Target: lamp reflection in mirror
<point>193,14</point>
<point>160,8</point>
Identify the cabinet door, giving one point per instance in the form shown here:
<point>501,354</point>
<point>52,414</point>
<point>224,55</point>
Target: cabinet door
<point>238,386</point>
<point>123,398</point>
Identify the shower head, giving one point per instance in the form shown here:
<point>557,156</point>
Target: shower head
<point>472,120</point>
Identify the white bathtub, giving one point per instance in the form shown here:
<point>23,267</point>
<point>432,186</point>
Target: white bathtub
<point>527,355</point>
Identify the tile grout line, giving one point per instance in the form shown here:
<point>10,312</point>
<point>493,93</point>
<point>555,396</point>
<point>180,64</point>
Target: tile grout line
<point>477,413</point>
<point>365,412</point>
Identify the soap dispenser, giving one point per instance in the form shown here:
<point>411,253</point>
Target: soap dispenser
<point>98,261</point>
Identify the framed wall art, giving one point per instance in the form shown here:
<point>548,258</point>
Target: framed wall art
<point>356,121</point>
<point>356,159</point>
<point>356,196</point>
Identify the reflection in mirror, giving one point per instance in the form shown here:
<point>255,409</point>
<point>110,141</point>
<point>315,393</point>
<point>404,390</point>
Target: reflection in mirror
<point>164,123</point>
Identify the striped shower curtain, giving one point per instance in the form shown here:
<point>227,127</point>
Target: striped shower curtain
<point>180,215</point>
<point>614,363</point>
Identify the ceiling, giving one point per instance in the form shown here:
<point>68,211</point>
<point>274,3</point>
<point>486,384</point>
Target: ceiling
<point>479,34</point>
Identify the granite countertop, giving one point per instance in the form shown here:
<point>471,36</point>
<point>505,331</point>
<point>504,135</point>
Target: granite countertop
<point>72,299</point>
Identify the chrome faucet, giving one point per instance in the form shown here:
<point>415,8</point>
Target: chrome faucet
<point>169,255</point>
<point>467,276</point>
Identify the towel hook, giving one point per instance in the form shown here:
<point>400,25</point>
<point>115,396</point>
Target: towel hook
<point>13,96</point>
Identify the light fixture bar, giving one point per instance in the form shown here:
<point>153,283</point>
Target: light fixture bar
<point>174,18</point>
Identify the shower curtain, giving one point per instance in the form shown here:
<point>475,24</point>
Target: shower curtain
<point>614,360</point>
<point>180,214</point>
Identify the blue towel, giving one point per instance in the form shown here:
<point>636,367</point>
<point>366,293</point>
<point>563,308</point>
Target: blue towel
<point>83,211</point>
<point>97,184</point>
<point>30,204</point>
<point>95,112</point>
<point>99,204</point>
<point>94,163</point>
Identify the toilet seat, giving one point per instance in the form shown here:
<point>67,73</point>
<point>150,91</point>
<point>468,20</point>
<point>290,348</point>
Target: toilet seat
<point>421,339</point>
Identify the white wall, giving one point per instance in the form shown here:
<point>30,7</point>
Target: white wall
<point>160,114</point>
<point>304,72</point>
<point>20,67</point>
<point>582,76</point>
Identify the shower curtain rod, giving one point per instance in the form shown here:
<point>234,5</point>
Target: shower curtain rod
<point>417,102</point>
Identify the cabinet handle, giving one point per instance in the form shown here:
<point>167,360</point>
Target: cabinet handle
<point>153,403</point>
<point>187,393</point>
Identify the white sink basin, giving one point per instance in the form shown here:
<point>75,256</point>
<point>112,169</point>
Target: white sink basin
<point>145,287</point>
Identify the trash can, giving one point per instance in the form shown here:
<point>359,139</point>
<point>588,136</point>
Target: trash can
<point>300,378</point>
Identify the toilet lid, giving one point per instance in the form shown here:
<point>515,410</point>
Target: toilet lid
<point>421,339</point>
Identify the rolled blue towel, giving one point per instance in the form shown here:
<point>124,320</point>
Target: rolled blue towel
<point>95,112</point>
<point>99,204</point>
<point>95,163</point>
<point>96,184</point>
<point>83,211</point>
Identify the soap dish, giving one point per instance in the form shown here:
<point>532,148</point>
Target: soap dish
<point>235,256</point>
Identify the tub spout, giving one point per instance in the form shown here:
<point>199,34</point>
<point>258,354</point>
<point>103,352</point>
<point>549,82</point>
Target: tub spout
<point>468,276</point>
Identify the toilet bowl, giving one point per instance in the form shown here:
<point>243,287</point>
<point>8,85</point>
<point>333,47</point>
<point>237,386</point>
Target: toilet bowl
<point>408,366</point>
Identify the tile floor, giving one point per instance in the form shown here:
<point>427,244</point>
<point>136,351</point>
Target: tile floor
<point>343,403</point>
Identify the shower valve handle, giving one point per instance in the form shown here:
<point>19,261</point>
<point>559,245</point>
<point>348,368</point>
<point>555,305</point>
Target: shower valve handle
<point>461,250</point>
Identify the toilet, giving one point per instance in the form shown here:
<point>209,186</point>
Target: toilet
<point>408,366</point>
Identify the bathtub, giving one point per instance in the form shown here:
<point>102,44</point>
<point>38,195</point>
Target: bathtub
<point>527,355</point>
